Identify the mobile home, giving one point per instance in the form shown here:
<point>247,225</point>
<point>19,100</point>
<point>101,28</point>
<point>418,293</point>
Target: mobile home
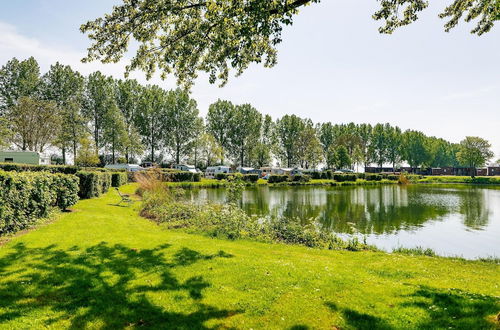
<point>186,168</point>
<point>211,171</point>
<point>24,157</point>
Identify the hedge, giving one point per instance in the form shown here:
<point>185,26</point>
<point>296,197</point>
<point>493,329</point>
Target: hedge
<point>344,177</point>
<point>118,179</point>
<point>28,196</point>
<point>9,167</point>
<point>93,184</point>
<point>276,178</point>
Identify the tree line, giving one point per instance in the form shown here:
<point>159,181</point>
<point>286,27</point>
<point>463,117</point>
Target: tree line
<point>99,119</point>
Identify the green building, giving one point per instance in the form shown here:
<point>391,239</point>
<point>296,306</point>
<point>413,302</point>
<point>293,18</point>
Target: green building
<point>23,157</point>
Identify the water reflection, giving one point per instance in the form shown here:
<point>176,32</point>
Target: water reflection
<point>382,212</point>
<point>378,210</point>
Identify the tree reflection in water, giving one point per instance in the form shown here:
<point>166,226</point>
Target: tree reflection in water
<point>369,209</point>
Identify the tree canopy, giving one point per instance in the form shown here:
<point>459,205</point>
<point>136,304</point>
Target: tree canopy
<point>185,37</point>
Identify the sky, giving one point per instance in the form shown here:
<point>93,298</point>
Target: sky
<point>333,65</point>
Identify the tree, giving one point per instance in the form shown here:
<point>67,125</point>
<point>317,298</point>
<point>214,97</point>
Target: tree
<point>182,123</point>
<point>4,133</point>
<point>262,152</point>
<point>219,119</point>
<point>393,137</point>
<point>35,123</point>
<point>65,87</point>
<point>128,97</point>
<point>87,154</point>
<point>185,37</point>
<point>415,148</point>
<point>98,98</point>
<point>309,146</point>
<point>378,146</point>
<point>288,131</point>
<point>210,149</point>
<point>244,132</point>
<point>152,117</point>
<point>474,152</point>
<point>73,128</point>
<point>18,79</point>
<point>114,130</point>
<point>342,159</point>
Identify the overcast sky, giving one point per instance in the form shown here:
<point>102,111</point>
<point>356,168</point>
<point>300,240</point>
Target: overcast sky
<point>333,66</point>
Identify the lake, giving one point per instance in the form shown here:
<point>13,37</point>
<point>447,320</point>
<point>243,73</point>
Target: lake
<point>453,220</point>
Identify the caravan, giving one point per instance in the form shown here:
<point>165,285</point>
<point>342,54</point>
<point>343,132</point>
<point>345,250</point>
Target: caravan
<point>211,171</point>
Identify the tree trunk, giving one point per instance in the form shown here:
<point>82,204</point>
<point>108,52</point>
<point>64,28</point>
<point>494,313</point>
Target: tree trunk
<point>63,150</point>
<point>178,154</point>
<point>74,152</point>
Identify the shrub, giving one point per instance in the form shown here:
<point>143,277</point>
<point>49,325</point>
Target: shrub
<point>179,176</point>
<point>221,176</point>
<point>344,177</point>
<point>9,167</point>
<point>67,187</point>
<point>301,178</point>
<point>373,177</point>
<point>276,178</point>
<point>250,177</point>
<point>89,184</point>
<point>25,197</point>
<point>118,179</point>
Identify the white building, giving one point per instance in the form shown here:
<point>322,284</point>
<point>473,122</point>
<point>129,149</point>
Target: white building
<point>211,171</point>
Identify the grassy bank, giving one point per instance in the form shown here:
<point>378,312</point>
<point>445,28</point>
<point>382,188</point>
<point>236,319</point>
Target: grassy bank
<point>213,183</point>
<point>103,266</point>
<point>495,180</point>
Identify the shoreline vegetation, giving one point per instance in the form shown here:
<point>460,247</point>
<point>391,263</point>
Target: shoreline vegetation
<point>214,183</point>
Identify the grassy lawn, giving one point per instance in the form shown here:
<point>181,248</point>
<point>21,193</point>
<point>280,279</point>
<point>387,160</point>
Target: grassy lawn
<point>102,266</point>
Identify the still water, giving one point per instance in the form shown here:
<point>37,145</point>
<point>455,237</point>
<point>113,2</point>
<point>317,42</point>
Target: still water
<point>451,220</point>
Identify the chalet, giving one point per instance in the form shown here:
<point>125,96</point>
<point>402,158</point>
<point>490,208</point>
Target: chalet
<point>494,169</point>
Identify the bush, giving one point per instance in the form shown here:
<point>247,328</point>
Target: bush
<point>118,179</point>
<point>373,177</point>
<point>344,177</point>
<point>221,176</point>
<point>179,176</point>
<point>67,187</point>
<point>89,184</point>
<point>9,167</point>
<point>250,177</point>
<point>25,197</point>
<point>300,178</point>
<point>276,178</point>
<point>93,184</point>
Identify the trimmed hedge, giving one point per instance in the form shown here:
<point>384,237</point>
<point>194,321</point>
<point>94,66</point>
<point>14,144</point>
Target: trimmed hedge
<point>9,167</point>
<point>344,177</point>
<point>276,178</point>
<point>28,196</point>
<point>118,179</point>
<point>93,184</point>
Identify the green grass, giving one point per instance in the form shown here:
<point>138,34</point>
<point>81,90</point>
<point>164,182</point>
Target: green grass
<point>102,266</point>
<point>461,179</point>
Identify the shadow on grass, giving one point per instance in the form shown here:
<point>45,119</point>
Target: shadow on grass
<point>104,285</point>
<point>455,308</point>
<point>443,309</point>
